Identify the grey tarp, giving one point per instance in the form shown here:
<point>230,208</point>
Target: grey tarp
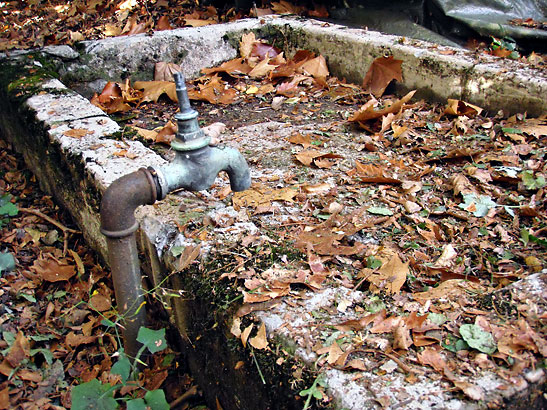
<point>491,17</point>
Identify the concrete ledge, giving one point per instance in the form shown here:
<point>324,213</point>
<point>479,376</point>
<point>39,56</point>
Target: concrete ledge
<point>76,152</point>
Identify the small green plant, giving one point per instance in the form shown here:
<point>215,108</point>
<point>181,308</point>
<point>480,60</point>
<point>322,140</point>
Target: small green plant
<point>96,395</point>
<point>504,47</point>
<point>315,391</point>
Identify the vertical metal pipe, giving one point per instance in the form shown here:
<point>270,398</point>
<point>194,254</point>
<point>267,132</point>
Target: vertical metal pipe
<point>124,262</point>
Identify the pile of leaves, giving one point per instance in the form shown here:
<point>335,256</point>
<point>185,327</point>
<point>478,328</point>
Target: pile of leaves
<point>39,23</point>
<point>58,324</point>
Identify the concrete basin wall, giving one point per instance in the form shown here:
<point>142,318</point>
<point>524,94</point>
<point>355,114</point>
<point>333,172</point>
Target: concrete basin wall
<point>42,118</point>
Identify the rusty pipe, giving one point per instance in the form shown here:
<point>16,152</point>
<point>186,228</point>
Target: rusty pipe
<point>118,224</point>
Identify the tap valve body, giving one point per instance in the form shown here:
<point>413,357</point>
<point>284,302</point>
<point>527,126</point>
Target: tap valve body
<point>189,135</point>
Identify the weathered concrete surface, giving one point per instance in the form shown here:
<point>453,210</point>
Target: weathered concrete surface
<point>437,72</point>
<point>76,152</point>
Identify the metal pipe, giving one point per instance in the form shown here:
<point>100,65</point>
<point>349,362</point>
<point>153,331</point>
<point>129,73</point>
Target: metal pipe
<point>194,168</point>
<point>118,224</point>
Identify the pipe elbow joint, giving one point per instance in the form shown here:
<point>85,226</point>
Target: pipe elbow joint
<point>121,199</point>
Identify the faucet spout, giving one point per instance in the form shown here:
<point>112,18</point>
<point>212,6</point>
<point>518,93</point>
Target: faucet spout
<point>196,170</point>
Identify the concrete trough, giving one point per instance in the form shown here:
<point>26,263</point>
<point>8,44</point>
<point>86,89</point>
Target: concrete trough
<point>40,120</point>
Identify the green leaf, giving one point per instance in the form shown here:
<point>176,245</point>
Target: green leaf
<point>7,262</point>
<point>437,318</point>
<point>155,399</point>
<point>532,183</point>
<point>380,210</point>
<point>454,344</point>
<point>48,356</point>
<point>508,130</point>
<point>373,263</point>
<point>7,207</point>
<point>107,323</point>
<point>27,296</point>
<point>93,395</point>
<point>122,367</point>
<point>136,404</point>
<point>154,340</point>
<point>177,250</point>
<point>482,203</point>
<point>478,338</point>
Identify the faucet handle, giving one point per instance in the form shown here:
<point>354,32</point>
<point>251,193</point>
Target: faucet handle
<point>182,92</point>
<point>189,135</point>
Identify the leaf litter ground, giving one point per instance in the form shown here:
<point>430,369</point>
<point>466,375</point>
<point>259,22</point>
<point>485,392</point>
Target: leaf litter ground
<point>54,303</point>
<point>433,211</point>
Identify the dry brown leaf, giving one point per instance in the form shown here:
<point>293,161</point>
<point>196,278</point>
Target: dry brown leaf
<point>152,90</point>
<point>246,44</point>
<point>149,135</point>
<point>100,303</point>
<point>459,108</point>
<point>452,288</point>
<point>260,341</point>
<point>163,24</point>
<point>245,334</point>
<point>319,159</point>
<point>75,340</point>
<point>382,71</point>
<point>261,195</point>
<point>391,276</point>
<point>472,391</point>
<point>164,71</point>
<point>19,350</point>
<point>51,269</point>
<point>401,336</point>
<point>367,111</point>
<point>334,353</point>
<point>303,139</point>
<point>235,67</point>
<point>198,22</point>
<point>433,358</point>
<point>461,185</point>
<point>78,132</point>
<point>316,67</point>
<point>262,69</point>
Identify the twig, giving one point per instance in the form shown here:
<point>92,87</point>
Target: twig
<point>191,392</point>
<point>48,219</point>
<point>403,366</point>
<point>66,231</point>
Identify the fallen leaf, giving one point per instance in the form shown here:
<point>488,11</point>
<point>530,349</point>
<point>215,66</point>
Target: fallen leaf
<point>153,90</point>
<point>260,195</point>
<point>19,350</point>
<point>100,303</point>
<point>391,276</point>
<point>78,132</point>
<point>163,24</point>
<point>382,71</point>
<point>459,108</point>
<point>431,357</point>
<point>316,67</point>
<point>260,341</point>
<point>51,269</point>
<point>245,334</point>
<point>367,111</point>
<point>334,353</point>
<point>472,391</point>
<point>164,71</point>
